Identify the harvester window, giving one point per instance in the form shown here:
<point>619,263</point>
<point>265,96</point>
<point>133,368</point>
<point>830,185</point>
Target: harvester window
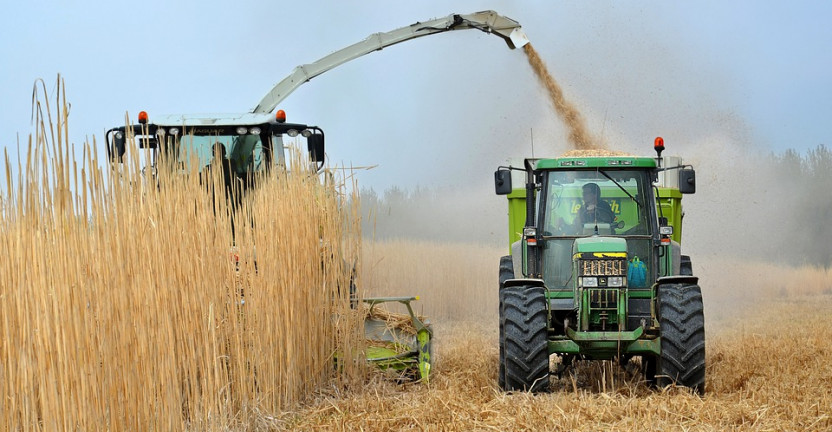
<point>244,152</point>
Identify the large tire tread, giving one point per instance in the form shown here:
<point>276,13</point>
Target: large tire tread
<point>525,319</point>
<point>506,272</point>
<point>682,321</point>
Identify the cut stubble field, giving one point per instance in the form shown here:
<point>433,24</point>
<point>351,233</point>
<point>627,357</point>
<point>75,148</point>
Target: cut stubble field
<point>768,357</point>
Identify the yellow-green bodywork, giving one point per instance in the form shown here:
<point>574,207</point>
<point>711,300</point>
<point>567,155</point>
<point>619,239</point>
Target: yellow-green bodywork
<point>668,200</point>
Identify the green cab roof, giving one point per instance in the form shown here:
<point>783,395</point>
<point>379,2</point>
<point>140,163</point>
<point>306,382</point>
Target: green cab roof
<point>596,162</point>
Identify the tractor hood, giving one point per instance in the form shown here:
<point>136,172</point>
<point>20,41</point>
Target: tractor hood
<point>599,245</point>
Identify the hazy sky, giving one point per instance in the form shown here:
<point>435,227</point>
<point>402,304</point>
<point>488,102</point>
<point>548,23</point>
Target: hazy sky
<point>442,109</point>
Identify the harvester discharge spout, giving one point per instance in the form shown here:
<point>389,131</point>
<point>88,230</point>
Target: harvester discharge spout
<point>486,21</point>
<point>492,22</point>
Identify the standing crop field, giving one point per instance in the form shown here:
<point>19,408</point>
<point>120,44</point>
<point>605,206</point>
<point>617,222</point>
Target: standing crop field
<point>127,304</point>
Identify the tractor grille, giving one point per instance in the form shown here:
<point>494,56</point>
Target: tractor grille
<point>603,298</point>
<point>603,267</point>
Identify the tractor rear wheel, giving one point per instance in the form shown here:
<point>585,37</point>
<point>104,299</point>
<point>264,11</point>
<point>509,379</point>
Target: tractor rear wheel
<point>506,273</point>
<point>525,341</point>
<point>682,321</point>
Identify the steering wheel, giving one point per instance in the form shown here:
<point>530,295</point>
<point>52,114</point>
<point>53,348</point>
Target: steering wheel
<point>604,215</point>
<point>600,215</point>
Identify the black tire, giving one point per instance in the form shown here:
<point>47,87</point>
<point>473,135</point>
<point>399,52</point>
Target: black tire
<point>526,356</point>
<point>682,322</point>
<point>506,269</point>
<point>686,266</point>
<point>506,273</point>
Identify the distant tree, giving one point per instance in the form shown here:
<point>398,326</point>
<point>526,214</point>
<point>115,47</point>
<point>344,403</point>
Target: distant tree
<point>806,181</point>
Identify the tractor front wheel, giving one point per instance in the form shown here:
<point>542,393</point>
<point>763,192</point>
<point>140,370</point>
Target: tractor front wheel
<point>525,339</point>
<point>506,273</point>
<point>682,320</point>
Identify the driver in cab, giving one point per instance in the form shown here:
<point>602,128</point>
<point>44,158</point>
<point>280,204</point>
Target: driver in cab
<point>593,211</point>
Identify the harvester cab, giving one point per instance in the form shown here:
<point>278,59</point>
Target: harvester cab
<point>595,269</point>
<point>251,142</point>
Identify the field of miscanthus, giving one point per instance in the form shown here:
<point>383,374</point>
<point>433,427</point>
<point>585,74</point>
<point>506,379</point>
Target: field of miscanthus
<point>127,304</point>
<point>121,310</point>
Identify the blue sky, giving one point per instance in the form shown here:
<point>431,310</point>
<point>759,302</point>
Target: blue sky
<point>438,109</point>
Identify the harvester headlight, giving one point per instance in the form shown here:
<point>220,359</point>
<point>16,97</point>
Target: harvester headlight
<point>254,131</point>
<point>615,281</point>
<point>306,133</point>
<point>242,130</point>
<point>119,135</point>
<point>666,230</point>
<point>292,132</point>
<point>590,281</point>
<point>174,131</point>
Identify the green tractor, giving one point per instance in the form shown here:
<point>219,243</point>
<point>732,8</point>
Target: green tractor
<point>596,270</point>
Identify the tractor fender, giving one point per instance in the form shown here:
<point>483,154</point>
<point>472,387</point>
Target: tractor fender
<point>529,282</point>
<point>676,251</point>
<point>517,257</point>
<point>687,280</point>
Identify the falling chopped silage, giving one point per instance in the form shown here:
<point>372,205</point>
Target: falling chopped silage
<point>595,153</point>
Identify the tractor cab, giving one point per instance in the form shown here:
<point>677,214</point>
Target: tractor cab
<point>594,202</point>
<point>249,143</point>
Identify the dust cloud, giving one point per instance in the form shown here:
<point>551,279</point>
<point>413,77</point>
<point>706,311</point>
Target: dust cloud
<point>756,214</point>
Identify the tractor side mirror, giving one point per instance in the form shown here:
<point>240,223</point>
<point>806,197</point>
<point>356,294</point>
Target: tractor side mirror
<point>687,181</point>
<point>118,147</point>
<point>315,145</point>
<point>502,181</point>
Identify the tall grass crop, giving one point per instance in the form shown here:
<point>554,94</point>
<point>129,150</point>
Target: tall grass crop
<point>127,304</point>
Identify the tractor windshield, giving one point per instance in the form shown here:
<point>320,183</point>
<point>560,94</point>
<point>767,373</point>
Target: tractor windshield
<point>602,201</point>
<point>245,152</point>
<point>581,203</point>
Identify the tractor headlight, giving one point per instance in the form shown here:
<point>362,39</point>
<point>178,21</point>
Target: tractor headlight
<point>242,130</point>
<point>615,281</point>
<point>254,131</point>
<point>590,281</point>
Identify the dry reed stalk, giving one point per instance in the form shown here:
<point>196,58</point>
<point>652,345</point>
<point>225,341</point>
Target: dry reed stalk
<point>121,310</point>
<point>393,320</point>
